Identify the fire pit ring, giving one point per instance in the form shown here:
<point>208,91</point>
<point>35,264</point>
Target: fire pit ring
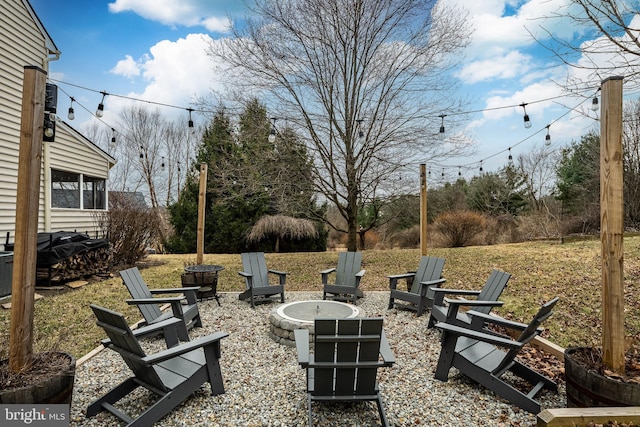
<point>286,318</point>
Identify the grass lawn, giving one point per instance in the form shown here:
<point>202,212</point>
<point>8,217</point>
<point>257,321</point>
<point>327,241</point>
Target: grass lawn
<point>540,271</point>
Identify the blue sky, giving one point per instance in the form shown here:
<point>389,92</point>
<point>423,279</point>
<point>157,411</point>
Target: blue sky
<point>155,50</point>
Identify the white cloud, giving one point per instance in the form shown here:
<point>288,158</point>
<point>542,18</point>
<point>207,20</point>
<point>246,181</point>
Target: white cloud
<point>188,13</point>
<point>512,65</point>
<point>126,67</point>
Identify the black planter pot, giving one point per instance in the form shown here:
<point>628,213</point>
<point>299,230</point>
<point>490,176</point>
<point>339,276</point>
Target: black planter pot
<point>53,389</point>
<point>587,388</point>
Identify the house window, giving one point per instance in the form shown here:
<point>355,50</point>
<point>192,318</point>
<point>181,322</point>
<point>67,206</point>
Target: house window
<point>93,193</point>
<point>67,189</point>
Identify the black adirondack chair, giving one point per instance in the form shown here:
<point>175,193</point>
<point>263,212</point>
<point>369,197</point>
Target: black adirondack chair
<point>149,306</point>
<point>347,355</point>
<point>486,299</point>
<point>256,276</point>
<point>347,278</point>
<point>420,296</point>
<point>173,374</point>
<point>480,356</point>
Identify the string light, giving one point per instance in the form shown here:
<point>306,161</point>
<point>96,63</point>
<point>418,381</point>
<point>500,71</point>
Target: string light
<point>510,156</point>
<point>100,110</point>
<point>547,138</point>
<point>480,165</point>
<point>442,116</point>
<point>162,164</point>
<point>70,114</point>
<point>141,152</point>
<point>113,136</point>
<point>459,172</point>
<point>272,132</point>
<point>360,131</point>
<point>527,122</point>
<point>594,104</point>
<point>190,123</point>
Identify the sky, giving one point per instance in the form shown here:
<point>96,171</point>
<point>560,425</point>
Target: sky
<point>155,50</point>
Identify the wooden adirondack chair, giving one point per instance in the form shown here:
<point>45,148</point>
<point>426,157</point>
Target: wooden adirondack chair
<point>479,356</point>
<point>347,355</point>
<point>347,279</point>
<point>256,276</point>
<point>486,299</point>
<point>420,296</point>
<point>173,374</point>
<point>149,306</point>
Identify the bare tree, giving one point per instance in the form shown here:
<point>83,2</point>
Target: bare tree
<point>604,40</point>
<point>365,80</point>
<point>538,169</point>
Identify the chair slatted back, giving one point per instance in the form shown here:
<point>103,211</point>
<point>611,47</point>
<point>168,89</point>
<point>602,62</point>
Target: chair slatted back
<point>124,342</point>
<point>492,289</point>
<point>530,332</point>
<point>349,264</point>
<point>430,268</point>
<point>346,356</point>
<point>254,263</point>
<point>138,289</point>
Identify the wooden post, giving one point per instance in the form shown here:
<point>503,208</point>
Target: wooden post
<point>23,284</point>
<point>202,199</point>
<point>423,209</point>
<point>612,224</point>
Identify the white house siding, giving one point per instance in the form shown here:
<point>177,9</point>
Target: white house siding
<point>67,154</point>
<point>21,43</point>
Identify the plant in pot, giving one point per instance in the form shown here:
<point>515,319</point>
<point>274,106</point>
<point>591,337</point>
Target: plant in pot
<point>28,378</point>
<point>609,376</point>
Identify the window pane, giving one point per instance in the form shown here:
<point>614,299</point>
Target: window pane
<point>93,193</point>
<point>65,189</point>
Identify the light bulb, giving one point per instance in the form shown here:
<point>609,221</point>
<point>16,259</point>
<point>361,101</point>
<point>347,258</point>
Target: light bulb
<point>527,122</point>
<point>71,115</point>
<point>594,104</point>
<point>100,110</point>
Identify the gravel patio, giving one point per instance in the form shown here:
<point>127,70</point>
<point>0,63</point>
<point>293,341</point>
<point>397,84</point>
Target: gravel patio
<point>266,387</point>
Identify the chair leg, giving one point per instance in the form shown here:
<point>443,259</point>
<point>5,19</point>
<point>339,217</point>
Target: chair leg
<point>390,303</point>
<point>383,416</point>
<point>115,394</point>
<point>310,414</point>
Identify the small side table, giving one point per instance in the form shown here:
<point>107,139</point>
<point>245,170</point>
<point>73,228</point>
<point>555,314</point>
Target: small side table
<point>205,276</point>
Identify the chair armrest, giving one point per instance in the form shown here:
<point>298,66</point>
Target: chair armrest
<point>401,276</point>
<point>174,290</point>
<point>302,345</point>
<point>282,276</point>
<point>393,279</point>
<point>147,329</point>
<point>473,302</point>
<point>244,274</point>
<point>425,286</point>
<point>360,273</point>
<point>480,336</point>
<point>169,300</point>
<point>184,348</point>
<point>500,321</point>
<point>439,294</point>
<point>325,275</point>
<point>386,352</point>
<point>455,304</point>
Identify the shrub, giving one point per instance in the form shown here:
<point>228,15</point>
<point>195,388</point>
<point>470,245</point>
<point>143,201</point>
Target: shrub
<point>459,228</point>
<point>131,230</point>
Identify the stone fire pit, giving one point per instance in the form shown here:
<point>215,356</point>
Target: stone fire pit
<point>286,318</point>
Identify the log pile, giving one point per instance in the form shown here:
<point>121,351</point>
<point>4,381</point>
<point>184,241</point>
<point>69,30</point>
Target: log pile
<point>95,261</point>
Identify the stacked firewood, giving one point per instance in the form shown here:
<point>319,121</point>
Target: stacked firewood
<point>96,261</point>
